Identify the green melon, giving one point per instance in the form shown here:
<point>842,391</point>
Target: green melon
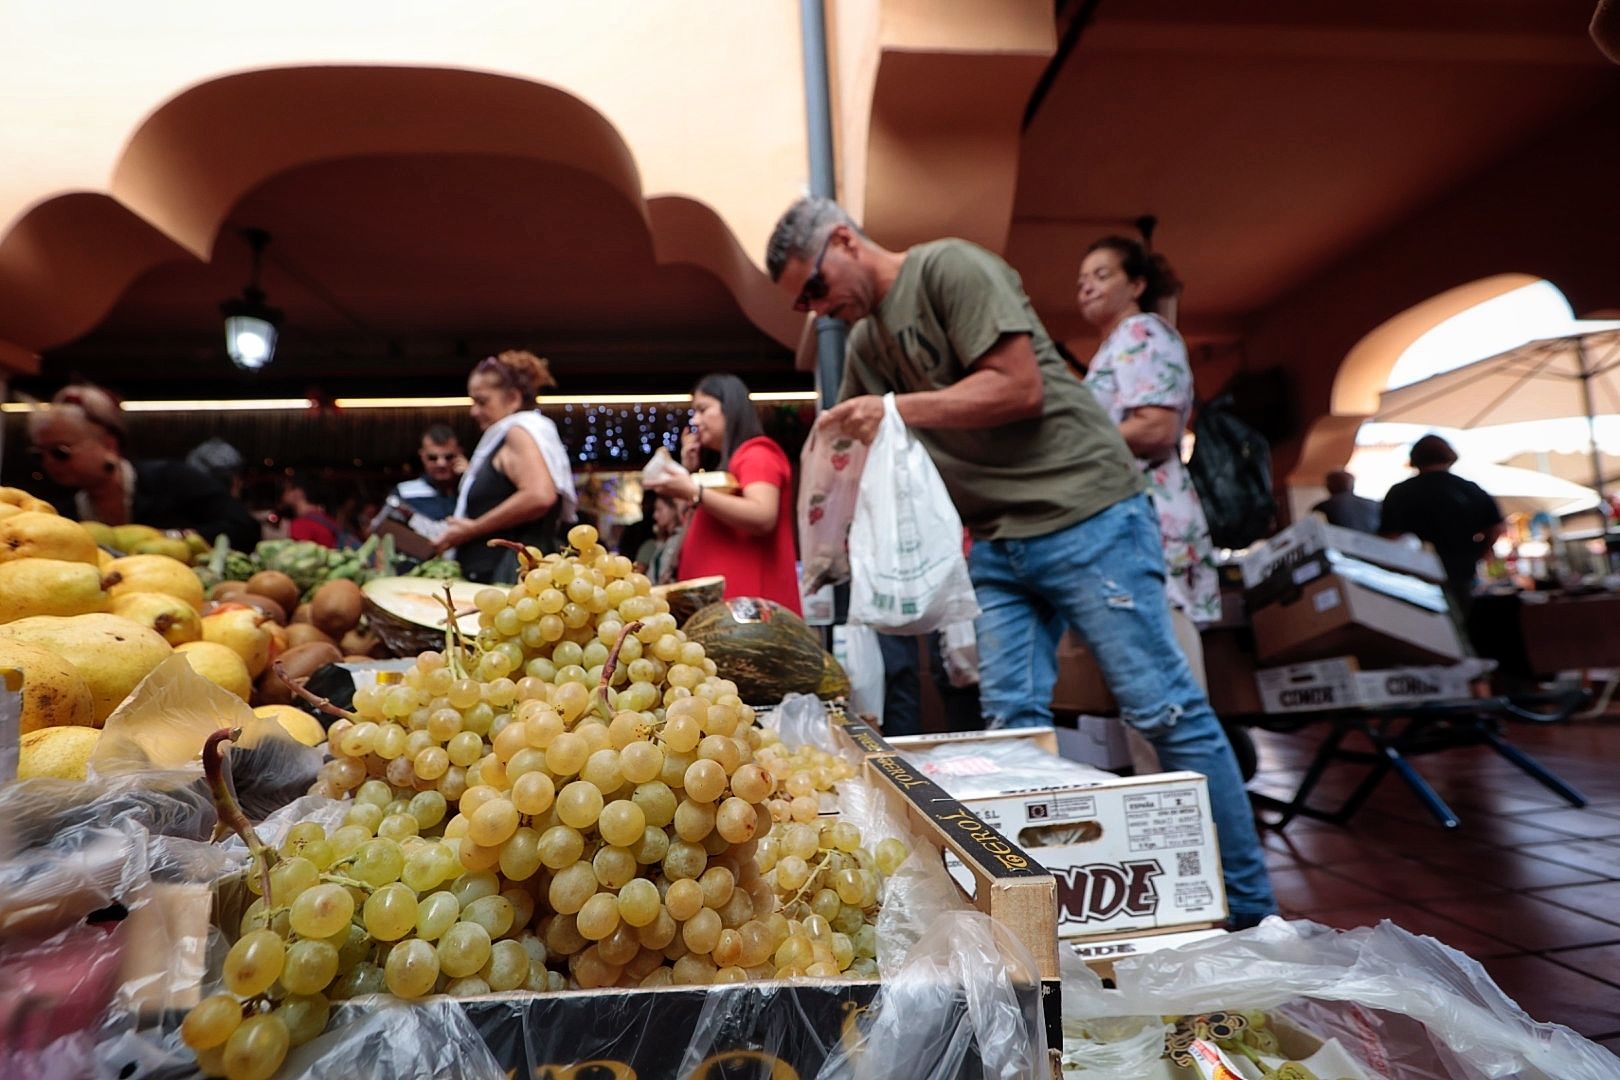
<point>834,680</point>
<point>761,646</point>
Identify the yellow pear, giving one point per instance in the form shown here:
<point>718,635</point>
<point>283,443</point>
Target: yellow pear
<point>156,573</point>
<point>196,544</point>
<point>241,630</point>
<point>164,545</point>
<point>295,721</point>
<point>61,752</point>
<point>22,500</point>
<point>111,653</point>
<point>125,537</point>
<point>100,532</point>
<point>50,587</point>
<point>219,664</point>
<point>54,694</point>
<point>7,509</point>
<point>34,534</point>
<point>170,616</point>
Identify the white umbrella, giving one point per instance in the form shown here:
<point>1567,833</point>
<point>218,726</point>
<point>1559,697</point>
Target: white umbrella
<point>1378,468</point>
<point>1577,375</point>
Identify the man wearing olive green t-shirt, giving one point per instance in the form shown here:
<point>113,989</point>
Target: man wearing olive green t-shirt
<point>1062,531</point>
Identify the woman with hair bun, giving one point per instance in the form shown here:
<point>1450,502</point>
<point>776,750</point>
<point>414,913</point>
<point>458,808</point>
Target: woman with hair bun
<point>518,484</point>
<point>1141,377</point>
<point>746,536</point>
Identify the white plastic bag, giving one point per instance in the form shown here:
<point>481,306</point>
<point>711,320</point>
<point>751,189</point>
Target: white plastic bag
<point>959,653</point>
<point>907,573</point>
<point>857,651</point>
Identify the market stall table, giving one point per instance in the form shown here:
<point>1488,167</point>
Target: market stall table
<point>1397,734</point>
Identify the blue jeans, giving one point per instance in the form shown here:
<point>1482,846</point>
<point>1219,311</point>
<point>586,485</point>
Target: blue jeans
<point>1105,578</point>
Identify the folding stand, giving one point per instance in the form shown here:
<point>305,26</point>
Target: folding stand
<point>1398,733</point>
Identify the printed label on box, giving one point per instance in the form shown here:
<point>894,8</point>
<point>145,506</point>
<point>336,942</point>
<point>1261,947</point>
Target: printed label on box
<point>1327,599</point>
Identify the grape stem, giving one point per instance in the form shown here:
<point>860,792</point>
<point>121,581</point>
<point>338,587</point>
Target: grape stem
<point>809,881</point>
<point>454,643</point>
<point>325,705</point>
<point>525,555</point>
<point>217,770</point>
<point>610,667</point>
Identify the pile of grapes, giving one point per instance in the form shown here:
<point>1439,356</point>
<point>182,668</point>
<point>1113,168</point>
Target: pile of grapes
<point>575,799</point>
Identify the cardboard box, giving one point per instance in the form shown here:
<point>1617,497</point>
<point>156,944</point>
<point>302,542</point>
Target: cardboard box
<point>1286,583</point>
<point>1080,687</point>
<point>1339,683</point>
<point>1130,855</point>
<point>1304,538</point>
<point>1333,616</point>
<point>1100,956</point>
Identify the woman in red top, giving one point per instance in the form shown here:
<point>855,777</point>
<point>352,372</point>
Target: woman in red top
<point>746,537</point>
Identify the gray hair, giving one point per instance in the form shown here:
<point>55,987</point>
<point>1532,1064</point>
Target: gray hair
<point>800,231</point>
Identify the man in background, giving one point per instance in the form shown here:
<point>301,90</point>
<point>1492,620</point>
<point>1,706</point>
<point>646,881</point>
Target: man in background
<point>1344,508</point>
<point>433,494</point>
<point>1457,516</point>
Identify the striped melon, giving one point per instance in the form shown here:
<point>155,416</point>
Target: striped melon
<point>834,680</point>
<point>761,646</point>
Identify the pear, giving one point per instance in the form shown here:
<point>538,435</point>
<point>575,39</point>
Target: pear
<point>170,616</point>
<point>59,752</point>
<point>50,587</point>
<point>34,534</point>
<point>219,664</point>
<point>157,573</point>
<point>111,653</point>
<point>175,549</point>
<point>22,500</point>
<point>100,533</point>
<point>54,694</point>
<point>295,721</point>
<point>125,537</point>
<point>240,629</point>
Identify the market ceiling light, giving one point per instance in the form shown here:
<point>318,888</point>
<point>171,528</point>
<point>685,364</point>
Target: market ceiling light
<point>250,323</point>
<point>183,406</point>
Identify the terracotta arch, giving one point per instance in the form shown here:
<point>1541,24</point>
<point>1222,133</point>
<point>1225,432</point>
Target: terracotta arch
<point>199,153</point>
<point>1364,372</point>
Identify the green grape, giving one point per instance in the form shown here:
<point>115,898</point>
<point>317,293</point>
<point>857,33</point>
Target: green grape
<point>475,886</point>
<point>561,846</point>
<point>520,855</point>
<point>571,887</point>
<point>366,815</point>
<point>889,854</point>
<point>390,912</point>
<point>684,899</point>
<point>684,860</point>
<point>613,866</point>
<point>657,802</point>
<point>362,979</point>
<point>254,962</point>
<point>463,949</point>
<point>211,1021</point>
<point>464,694</point>
<point>602,769</point>
<point>310,965</point>
<point>579,804</point>
<point>428,808</point>
<point>493,823</point>
<point>378,862</point>
<point>640,762</point>
<point>639,902</point>
<point>493,913</point>
<point>256,1048</point>
<point>468,987</point>
<point>289,877</point>
<point>412,969</point>
<point>321,911</point>
<point>567,754</point>
<point>397,827</point>
<point>427,866</point>
<point>736,820</point>
<point>621,822</point>
<point>305,1016</point>
<point>353,945</point>
<point>507,967</point>
<point>652,847</point>
<point>436,913</point>
<point>533,792</point>
<point>599,917</point>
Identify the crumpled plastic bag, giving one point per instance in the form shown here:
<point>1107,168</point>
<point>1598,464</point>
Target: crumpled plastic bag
<point>830,468</point>
<point>1406,1005</point>
<point>907,571</point>
<point>959,653</point>
<point>857,651</point>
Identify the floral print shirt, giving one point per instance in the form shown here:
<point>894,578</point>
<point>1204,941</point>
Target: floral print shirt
<point>1144,362</point>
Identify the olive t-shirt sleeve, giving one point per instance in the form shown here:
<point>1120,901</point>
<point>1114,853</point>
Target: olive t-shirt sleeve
<point>977,302</point>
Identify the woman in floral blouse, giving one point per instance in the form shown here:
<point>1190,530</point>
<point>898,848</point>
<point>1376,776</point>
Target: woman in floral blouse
<point>1140,375</point>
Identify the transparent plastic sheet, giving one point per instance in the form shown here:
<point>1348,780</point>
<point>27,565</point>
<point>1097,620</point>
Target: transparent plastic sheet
<point>1104,1047</point>
<point>1407,1006</point>
<point>381,1038</point>
<point>801,720</point>
<point>952,1009</point>
<point>975,769</point>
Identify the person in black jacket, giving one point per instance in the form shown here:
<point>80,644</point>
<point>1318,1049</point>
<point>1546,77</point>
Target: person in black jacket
<point>79,442</point>
<point>1457,516</point>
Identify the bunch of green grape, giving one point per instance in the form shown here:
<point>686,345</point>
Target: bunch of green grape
<point>803,774</point>
<point>828,885</point>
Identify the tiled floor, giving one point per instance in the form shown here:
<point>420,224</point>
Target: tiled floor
<point>1527,885</point>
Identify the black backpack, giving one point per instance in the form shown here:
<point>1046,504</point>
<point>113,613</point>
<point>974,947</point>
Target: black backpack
<point>1231,470</point>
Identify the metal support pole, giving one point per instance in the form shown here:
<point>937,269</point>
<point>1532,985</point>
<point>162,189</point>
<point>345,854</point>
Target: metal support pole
<point>1591,425</point>
<point>830,333</point>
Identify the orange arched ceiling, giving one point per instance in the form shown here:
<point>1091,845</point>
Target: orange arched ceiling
<point>438,203</point>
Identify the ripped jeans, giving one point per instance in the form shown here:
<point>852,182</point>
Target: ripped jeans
<point>1105,578</point>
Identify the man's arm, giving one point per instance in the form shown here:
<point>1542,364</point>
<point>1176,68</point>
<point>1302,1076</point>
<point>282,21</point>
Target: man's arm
<point>1004,386</point>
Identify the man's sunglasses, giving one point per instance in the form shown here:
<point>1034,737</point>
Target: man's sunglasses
<point>60,452</point>
<point>439,457</point>
<point>815,286</point>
